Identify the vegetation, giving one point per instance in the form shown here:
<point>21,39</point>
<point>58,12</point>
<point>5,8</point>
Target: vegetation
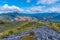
<point>55,26</point>
<point>18,27</point>
<point>29,36</point>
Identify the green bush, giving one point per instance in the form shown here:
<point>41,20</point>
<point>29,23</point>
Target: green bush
<point>10,32</point>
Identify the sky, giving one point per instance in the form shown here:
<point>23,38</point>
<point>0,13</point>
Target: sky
<point>30,6</point>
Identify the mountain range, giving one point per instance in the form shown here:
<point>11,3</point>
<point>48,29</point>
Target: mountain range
<point>52,17</point>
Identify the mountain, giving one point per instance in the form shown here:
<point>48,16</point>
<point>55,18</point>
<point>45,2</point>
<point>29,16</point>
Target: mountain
<point>39,16</point>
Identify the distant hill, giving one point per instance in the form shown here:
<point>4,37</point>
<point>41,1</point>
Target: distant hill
<point>55,17</point>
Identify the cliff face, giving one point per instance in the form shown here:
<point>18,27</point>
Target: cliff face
<point>43,33</point>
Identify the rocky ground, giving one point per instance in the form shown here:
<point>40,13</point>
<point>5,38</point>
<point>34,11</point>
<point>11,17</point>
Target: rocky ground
<point>43,33</point>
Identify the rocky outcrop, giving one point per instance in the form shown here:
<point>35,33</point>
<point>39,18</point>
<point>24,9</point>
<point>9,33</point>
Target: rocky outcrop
<point>43,33</point>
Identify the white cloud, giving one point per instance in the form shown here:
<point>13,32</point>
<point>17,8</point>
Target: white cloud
<point>54,9</point>
<point>33,9</point>
<point>28,1</point>
<point>36,9</point>
<point>7,8</point>
<point>46,1</point>
<point>43,9</point>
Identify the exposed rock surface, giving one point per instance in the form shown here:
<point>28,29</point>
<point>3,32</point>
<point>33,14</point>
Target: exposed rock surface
<point>43,33</point>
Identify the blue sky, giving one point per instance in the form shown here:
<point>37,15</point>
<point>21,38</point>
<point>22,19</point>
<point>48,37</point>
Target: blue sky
<point>30,6</point>
<point>19,3</point>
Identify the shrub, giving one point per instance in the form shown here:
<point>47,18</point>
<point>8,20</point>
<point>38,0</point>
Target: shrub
<point>10,32</point>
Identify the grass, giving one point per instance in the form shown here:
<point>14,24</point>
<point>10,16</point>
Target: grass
<point>55,26</point>
<point>17,27</point>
